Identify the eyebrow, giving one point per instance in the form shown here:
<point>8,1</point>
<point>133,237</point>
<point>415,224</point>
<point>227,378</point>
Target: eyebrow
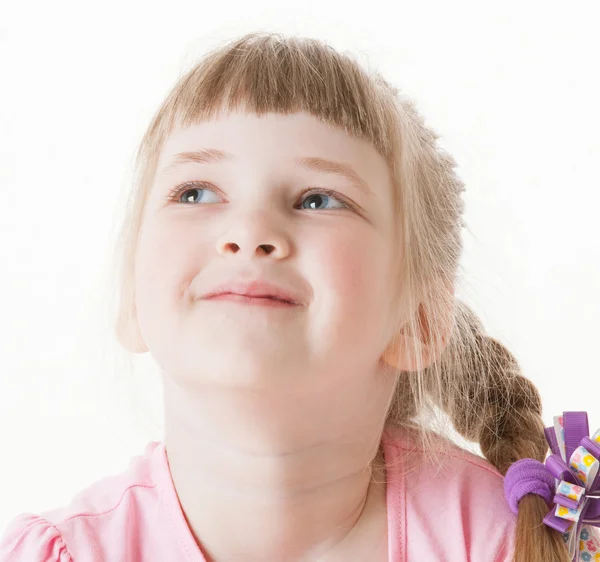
<point>316,163</point>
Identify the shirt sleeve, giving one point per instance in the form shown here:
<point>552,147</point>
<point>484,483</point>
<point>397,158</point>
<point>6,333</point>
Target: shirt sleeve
<point>31,538</point>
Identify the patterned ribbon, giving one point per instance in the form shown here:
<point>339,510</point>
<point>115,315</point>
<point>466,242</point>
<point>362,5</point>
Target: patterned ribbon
<point>577,496</point>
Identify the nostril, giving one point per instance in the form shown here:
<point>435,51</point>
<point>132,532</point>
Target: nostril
<point>268,248</point>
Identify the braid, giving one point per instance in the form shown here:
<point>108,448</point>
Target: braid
<point>490,402</point>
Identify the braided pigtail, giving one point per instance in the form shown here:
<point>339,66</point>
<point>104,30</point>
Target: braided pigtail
<point>490,402</point>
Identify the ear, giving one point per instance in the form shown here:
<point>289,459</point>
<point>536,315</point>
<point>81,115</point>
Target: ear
<point>400,353</point>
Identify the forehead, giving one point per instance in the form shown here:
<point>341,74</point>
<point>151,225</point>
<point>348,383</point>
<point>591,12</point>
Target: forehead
<point>274,140</point>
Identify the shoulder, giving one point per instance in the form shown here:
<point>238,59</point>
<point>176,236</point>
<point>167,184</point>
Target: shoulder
<point>31,537</point>
<point>101,514</point>
<point>454,498</point>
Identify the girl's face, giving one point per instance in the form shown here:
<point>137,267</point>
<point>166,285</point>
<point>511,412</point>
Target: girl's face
<point>334,251</point>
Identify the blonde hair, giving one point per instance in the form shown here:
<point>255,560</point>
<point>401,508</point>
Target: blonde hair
<point>475,380</point>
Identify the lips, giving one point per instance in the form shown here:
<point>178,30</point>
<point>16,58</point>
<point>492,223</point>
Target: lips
<point>256,288</point>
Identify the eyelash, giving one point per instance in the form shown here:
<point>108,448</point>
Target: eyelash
<point>179,189</point>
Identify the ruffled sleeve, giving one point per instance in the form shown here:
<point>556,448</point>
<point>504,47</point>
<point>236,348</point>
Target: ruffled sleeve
<point>31,538</point>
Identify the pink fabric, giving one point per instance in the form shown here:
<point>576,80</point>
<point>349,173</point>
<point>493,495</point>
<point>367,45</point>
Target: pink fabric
<point>458,514</point>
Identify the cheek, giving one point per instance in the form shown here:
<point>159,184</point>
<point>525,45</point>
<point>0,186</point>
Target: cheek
<point>161,261</point>
<point>351,278</point>
<point>343,266</point>
<point>355,271</point>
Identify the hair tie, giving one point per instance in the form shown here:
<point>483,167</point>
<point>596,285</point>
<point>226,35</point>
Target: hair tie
<point>573,487</point>
<point>527,476</point>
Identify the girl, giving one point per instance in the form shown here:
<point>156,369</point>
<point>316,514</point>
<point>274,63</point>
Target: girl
<point>289,258</point>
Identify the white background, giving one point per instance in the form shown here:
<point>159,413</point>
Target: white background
<point>512,88</point>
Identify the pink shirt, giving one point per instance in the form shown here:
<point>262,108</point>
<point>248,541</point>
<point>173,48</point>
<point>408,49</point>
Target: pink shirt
<point>454,515</point>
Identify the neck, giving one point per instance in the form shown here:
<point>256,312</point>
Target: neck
<point>261,477</point>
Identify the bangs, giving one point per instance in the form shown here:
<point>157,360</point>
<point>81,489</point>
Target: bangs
<point>261,73</point>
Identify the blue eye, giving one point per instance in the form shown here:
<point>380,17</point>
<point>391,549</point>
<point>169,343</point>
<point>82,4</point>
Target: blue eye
<point>322,194</point>
<point>174,195</point>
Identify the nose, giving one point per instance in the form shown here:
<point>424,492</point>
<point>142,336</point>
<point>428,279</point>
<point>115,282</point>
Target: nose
<point>254,235</point>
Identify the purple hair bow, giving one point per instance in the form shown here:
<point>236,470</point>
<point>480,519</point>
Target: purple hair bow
<point>573,487</point>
